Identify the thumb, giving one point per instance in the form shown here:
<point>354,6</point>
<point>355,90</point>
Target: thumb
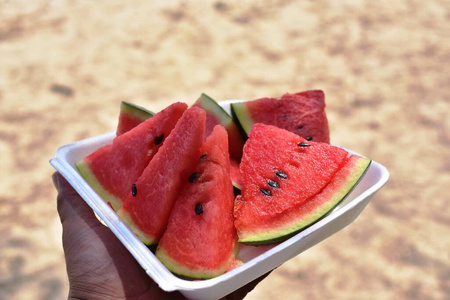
<point>71,207</point>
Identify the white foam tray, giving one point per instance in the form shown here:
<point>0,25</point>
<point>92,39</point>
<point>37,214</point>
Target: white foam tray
<point>257,260</point>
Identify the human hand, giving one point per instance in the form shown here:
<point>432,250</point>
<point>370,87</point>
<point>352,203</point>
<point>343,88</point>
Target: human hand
<point>98,265</point>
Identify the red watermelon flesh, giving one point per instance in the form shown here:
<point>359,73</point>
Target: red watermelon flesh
<point>301,113</point>
<point>235,174</point>
<point>112,169</point>
<point>216,115</point>
<point>130,116</point>
<point>200,239</point>
<point>281,173</point>
<point>146,213</point>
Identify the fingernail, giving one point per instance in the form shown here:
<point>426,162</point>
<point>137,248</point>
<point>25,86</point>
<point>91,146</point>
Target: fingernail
<point>55,180</point>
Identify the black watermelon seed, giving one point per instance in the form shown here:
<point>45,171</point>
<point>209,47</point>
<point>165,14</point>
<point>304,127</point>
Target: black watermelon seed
<point>133,189</point>
<point>199,209</point>
<point>304,144</point>
<point>203,155</point>
<point>273,184</point>
<point>281,174</point>
<point>266,192</point>
<point>193,177</point>
<point>159,139</point>
<point>308,138</point>
<point>300,127</point>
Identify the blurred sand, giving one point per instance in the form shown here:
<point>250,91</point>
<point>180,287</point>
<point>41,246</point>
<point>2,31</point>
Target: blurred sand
<point>384,66</point>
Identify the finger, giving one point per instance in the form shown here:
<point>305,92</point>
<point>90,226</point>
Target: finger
<point>70,205</point>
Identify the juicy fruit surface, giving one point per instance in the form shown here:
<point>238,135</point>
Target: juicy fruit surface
<point>112,169</point>
<point>301,113</point>
<point>281,171</point>
<point>216,115</point>
<point>148,211</point>
<point>313,210</point>
<point>130,116</point>
<point>200,238</point>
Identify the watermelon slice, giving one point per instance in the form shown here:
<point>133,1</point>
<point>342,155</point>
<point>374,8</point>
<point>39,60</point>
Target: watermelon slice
<point>200,239</point>
<point>112,169</point>
<point>130,116</point>
<point>302,113</point>
<point>216,115</point>
<point>146,211</point>
<point>289,183</point>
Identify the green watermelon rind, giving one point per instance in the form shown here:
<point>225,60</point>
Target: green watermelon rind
<point>235,135</point>
<point>83,168</point>
<point>183,271</point>
<point>281,234</point>
<point>210,105</point>
<point>136,111</point>
<point>242,117</point>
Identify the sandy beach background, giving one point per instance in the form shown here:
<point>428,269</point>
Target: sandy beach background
<point>383,65</point>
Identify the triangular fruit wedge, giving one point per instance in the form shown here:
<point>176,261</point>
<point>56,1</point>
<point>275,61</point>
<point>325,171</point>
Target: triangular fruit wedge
<point>289,183</point>
<point>130,116</point>
<point>200,239</point>
<point>146,209</point>
<point>301,113</point>
<point>216,115</point>
<point>112,169</point>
